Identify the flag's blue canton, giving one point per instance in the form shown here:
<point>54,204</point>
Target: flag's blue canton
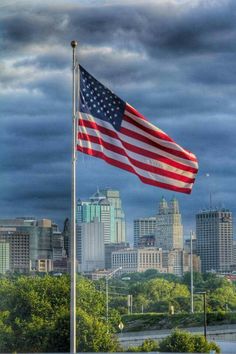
<point>97,100</point>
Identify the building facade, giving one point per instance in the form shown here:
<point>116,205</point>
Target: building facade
<point>19,249</point>
<point>138,260</point>
<point>92,246</point>
<point>144,227</point>
<point>4,256</point>
<point>44,265</point>
<point>132,260</point>
<point>214,232</point>
<point>169,228</point>
<point>98,207</point>
<point>38,232</point>
<point>120,227</point>
<point>112,247</point>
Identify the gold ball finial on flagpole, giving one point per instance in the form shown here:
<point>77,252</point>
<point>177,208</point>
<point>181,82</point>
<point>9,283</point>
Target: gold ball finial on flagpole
<point>74,44</point>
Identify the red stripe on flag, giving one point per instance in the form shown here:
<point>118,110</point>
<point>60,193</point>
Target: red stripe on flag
<point>141,165</point>
<point>146,140</point>
<point>133,148</point>
<point>129,168</point>
<point>151,131</point>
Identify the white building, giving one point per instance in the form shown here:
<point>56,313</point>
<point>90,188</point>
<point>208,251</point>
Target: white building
<point>134,260</point>
<point>138,260</point>
<point>92,246</point>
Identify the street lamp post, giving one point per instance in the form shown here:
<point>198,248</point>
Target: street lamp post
<point>109,275</point>
<point>205,315</point>
<point>191,269</point>
<point>204,311</point>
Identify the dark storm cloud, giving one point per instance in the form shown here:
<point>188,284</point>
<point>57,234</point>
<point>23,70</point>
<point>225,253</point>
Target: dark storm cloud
<point>26,27</point>
<point>54,60</point>
<point>174,63</point>
<point>28,143</point>
<point>157,27</point>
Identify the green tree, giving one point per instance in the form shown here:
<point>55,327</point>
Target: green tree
<point>34,315</point>
<point>197,280</point>
<point>92,335</point>
<point>149,345</point>
<point>184,342</point>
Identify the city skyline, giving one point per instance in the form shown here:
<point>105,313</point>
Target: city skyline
<point>174,63</point>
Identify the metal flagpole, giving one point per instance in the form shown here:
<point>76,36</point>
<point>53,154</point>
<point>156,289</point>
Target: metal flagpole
<point>191,269</point>
<point>73,211</point>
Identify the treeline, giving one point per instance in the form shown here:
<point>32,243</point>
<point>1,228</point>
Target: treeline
<point>162,293</point>
<point>35,310</point>
<point>35,316</point>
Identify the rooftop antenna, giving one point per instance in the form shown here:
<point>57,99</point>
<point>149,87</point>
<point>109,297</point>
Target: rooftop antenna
<point>210,192</point>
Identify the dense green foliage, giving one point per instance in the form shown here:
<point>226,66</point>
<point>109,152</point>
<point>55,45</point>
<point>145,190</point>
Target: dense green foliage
<point>158,321</point>
<point>34,310</point>
<point>155,292</point>
<point>34,316</point>
<point>149,345</point>
<point>185,342</point>
<point>177,342</point>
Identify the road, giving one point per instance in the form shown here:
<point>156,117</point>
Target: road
<point>220,332</point>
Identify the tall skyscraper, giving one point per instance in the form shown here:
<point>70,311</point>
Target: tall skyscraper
<point>98,207</point>
<point>214,234</point>
<point>169,228</point>
<point>114,198</point>
<point>92,246</point>
<point>144,227</point>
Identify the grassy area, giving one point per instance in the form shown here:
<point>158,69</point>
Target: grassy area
<point>151,321</point>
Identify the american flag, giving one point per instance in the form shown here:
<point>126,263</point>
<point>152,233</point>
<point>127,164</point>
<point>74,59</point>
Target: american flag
<point>111,129</point>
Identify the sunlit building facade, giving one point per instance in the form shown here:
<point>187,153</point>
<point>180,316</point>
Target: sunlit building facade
<point>214,232</point>
<point>169,228</point>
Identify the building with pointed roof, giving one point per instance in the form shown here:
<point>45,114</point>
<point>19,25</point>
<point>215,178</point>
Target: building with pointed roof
<point>169,228</point>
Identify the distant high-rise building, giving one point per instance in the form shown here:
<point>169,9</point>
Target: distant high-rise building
<point>214,232</point>
<point>39,232</point>
<point>66,236</point>
<point>144,227</point>
<point>19,249</point>
<point>187,244</point>
<point>169,228</point>
<point>58,250</point>
<point>234,254</point>
<point>98,207</point>
<point>114,198</point>
<point>4,256</point>
<point>92,246</point>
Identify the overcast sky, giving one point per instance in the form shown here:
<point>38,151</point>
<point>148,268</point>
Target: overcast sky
<point>173,60</point>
